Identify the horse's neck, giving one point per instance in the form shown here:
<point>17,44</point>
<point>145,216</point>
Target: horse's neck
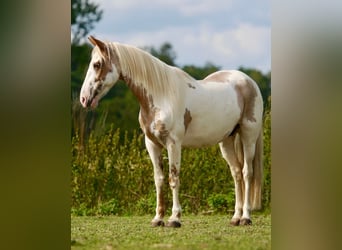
<point>139,92</point>
<point>148,102</point>
<point>163,86</point>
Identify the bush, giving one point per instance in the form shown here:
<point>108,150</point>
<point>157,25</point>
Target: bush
<point>113,175</point>
<point>267,160</point>
<point>220,203</point>
<point>146,205</point>
<point>110,207</point>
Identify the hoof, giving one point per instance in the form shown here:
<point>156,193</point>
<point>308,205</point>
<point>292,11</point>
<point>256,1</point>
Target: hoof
<point>158,223</point>
<point>235,222</point>
<point>173,224</point>
<point>245,222</point>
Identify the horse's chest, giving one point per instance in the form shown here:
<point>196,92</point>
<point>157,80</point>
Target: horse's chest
<point>154,126</point>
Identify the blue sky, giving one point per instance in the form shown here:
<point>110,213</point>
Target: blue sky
<point>224,32</point>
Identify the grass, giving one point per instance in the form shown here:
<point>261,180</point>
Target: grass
<point>197,232</point>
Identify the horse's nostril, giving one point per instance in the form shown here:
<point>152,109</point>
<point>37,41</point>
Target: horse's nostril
<point>83,99</point>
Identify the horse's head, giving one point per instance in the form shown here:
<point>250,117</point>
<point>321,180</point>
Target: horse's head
<point>102,74</point>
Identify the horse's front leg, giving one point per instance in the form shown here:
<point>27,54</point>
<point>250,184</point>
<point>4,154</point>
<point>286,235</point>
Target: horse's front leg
<point>157,161</point>
<point>174,153</point>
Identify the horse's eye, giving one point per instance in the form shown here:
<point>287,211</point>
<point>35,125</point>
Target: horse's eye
<point>97,65</point>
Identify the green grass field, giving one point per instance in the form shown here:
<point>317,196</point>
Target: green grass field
<point>197,232</point>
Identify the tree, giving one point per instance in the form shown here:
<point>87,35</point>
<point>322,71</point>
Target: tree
<point>165,53</point>
<point>83,16</point>
<point>80,56</point>
<point>200,73</point>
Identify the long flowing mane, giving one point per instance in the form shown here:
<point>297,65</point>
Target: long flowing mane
<point>147,71</point>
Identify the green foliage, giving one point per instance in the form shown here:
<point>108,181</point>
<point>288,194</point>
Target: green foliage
<point>203,172</point>
<point>165,53</point>
<point>110,207</point>
<point>80,57</point>
<point>104,169</point>
<point>122,109</point>
<point>146,205</point>
<point>220,203</point>
<point>115,176</point>
<point>267,157</point>
<point>200,73</point>
<point>83,16</point>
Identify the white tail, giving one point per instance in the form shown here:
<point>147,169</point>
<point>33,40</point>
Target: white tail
<point>258,170</point>
<point>258,173</point>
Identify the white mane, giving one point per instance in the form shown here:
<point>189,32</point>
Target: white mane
<point>147,71</point>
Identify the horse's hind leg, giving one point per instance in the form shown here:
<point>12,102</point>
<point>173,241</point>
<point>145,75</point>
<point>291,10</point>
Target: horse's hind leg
<point>230,155</point>
<point>156,158</point>
<point>248,139</point>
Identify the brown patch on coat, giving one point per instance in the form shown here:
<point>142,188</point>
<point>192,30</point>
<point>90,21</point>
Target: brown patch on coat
<point>104,65</point>
<point>178,215</point>
<point>163,132</point>
<point>160,162</point>
<point>187,119</point>
<point>173,176</point>
<point>246,98</point>
<point>147,109</point>
<point>174,171</point>
<point>161,205</point>
<point>102,68</point>
<point>191,86</point>
<point>147,114</point>
<point>146,102</point>
<point>220,76</point>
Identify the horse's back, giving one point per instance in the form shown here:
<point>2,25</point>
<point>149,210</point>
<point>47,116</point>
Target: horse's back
<point>218,103</point>
<point>215,111</point>
<point>249,95</point>
<point>229,77</point>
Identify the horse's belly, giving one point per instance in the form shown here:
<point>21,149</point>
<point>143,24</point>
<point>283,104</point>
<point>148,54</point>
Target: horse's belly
<point>214,112</point>
<point>208,134</point>
<point>198,141</point>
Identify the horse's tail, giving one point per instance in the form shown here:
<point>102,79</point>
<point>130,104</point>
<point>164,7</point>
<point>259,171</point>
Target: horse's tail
<point>258,170</point>
<point>258,174</point>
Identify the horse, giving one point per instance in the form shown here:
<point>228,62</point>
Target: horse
<point>176,111</point>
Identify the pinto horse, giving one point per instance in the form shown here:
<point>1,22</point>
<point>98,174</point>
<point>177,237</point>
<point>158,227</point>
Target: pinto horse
<point>178,111</point>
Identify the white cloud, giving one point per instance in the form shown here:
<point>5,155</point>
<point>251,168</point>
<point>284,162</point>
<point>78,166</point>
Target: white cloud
<point>186,7</point>
<point>246,44</point>
<point>245,39</point>
<point>192,27</point>
<point>199,7</point>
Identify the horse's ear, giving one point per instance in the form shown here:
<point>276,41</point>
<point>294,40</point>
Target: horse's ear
<point>97,42</point>
<point>93,40</point>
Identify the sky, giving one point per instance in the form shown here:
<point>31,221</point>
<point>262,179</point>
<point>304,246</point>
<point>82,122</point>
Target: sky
<point>226,33</point>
